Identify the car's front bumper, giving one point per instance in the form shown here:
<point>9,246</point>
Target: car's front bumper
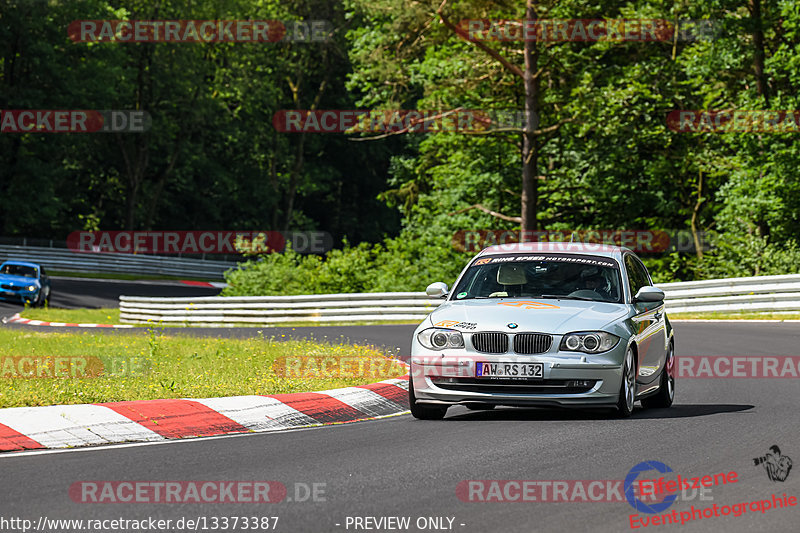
<point>570,379</point>
<point>19,296</point>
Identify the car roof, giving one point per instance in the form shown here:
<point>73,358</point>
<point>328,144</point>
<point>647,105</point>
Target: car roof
<point>21,263</point>
<point>572,248</point>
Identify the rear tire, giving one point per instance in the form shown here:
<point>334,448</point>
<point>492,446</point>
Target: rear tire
<point>627,389</point>
<point>423,412</point>
<point>666,389</point>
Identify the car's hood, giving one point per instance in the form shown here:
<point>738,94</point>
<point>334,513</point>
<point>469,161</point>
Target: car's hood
<point>543,315</point>
<point>18,280</point>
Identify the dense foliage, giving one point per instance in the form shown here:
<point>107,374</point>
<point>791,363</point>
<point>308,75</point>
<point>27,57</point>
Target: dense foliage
<point>603,154</point>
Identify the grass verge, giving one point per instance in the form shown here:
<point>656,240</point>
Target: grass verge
<point>108,315</point>
<point>111,316</point>
<point>156,366</point>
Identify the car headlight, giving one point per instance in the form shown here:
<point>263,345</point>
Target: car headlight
<point>31,287</point>
<point>588,342</point>
<point>440,338</point>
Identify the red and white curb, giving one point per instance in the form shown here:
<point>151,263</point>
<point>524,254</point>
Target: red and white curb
<point>67,426</point>
<point>215,284</point>
<point>16,319</point>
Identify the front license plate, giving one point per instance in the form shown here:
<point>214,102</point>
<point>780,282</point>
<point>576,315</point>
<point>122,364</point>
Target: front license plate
<point>509,370</point>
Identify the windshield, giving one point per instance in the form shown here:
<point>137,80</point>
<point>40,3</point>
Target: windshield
<point>19,270</point>
<point>577,277</point>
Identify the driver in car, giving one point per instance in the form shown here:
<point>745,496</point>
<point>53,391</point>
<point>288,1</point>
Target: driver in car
<point>594,281</point>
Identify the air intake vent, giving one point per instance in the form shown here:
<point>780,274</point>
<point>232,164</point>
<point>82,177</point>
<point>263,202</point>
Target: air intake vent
<point>490,342</point>
<point>530,343</point>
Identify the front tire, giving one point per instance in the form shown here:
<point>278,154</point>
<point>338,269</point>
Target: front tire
<point>423,412</point>
<point>666,389</point>
<point>627,389</point>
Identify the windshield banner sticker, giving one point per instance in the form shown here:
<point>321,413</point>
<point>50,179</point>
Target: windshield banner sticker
<point>577,259</point>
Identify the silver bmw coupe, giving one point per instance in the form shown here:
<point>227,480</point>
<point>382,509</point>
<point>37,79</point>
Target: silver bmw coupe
<point>545,324</point>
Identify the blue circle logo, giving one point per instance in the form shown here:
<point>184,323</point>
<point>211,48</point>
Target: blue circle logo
<point>512,325</point>
<point>630,480</point>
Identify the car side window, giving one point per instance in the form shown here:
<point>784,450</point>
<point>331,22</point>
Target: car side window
<point>637,274</point>
<point>642,272</point>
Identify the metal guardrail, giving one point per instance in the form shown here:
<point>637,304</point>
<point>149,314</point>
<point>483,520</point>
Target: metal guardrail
<point>755,294</point>
<point>67,260</point>
<point>763,293</point>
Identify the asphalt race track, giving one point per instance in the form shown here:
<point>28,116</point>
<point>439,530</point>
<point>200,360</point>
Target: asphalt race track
<point>402,467</point>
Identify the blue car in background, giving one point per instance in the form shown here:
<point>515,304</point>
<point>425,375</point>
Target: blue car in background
<point>24,282</point>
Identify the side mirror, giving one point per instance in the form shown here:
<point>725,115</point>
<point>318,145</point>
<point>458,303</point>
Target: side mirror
<point>649,294</point>
<point>437,289</point>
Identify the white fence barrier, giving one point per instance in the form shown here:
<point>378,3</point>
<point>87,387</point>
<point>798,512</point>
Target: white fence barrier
<point>756,294</point>
<point>209,310</point>
<point>764,293</point>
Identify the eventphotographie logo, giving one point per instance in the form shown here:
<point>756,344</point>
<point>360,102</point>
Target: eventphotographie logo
<point>634,500</point>
<point>777,466</point>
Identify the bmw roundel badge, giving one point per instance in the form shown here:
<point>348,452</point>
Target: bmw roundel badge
<point>512,325</point>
